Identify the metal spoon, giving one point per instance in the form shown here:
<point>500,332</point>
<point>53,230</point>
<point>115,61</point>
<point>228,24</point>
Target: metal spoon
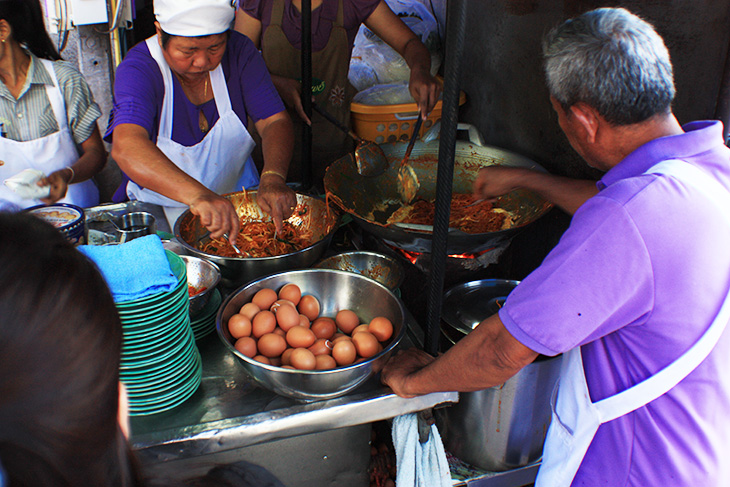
<point>407,180</point>
<point>238,251</point>
<point>369,156</point>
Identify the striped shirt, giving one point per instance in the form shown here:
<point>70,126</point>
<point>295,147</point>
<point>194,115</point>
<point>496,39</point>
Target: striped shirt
<point>31,116</point>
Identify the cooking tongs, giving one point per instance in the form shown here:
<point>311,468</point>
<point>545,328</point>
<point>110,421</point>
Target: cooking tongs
<point>369,157</point>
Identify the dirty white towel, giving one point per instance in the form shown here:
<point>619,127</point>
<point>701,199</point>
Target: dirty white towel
<point>25,184</point>
<point>419,464</point>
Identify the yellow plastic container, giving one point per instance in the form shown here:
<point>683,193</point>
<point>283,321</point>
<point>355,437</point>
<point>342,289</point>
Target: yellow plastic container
<point>391,123</point>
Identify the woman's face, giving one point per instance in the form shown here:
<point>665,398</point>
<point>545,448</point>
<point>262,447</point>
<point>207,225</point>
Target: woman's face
<point>193,57</point>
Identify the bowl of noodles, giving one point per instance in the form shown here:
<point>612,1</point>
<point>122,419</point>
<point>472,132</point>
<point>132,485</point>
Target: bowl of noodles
<point>305,238</point>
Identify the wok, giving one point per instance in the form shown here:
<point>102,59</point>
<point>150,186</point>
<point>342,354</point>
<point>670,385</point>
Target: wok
<point>371,201</point>
<point>311,214</point>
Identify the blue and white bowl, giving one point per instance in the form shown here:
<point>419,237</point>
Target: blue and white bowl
<point>69,219</point>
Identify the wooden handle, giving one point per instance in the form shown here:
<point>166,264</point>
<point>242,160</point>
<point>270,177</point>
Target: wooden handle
<point>336,122</point>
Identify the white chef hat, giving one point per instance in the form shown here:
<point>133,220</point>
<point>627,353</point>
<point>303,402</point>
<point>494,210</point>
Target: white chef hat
<point>192,18</point>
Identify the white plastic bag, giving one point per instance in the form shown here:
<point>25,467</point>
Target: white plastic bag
<point>24,184</point>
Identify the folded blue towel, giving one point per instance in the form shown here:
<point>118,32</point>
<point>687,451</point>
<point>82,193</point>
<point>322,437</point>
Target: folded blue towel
<point>419,464</point>
<point>135,269</point>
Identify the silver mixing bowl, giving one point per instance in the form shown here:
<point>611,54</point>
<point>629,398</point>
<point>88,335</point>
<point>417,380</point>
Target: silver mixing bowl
<point>236,271</point>
<point>380,267</point>
<point>335,290</point>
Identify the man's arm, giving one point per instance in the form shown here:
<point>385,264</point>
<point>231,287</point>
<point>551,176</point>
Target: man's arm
<point>486,357</point>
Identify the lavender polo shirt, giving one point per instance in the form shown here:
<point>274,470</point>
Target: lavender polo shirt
<point>637,279</point>
<point>354,13</point>
<point>139,91</point>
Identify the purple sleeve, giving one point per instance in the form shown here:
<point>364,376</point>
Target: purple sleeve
<point>582,290</point>
<point>138,92</point>
<point>357,11</point>
<point>254,8</point>
<point>255,87</point>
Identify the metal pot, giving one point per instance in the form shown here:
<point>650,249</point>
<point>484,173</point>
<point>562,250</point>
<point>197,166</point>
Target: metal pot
<point>502,427</point>
<point>371,200</point>
<point>236,271</point>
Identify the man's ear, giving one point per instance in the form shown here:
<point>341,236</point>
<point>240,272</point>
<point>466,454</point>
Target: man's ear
<point>587,119</point>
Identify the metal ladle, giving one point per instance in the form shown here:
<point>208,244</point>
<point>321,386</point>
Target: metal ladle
<point>407,180</point>
<point>369,156</point>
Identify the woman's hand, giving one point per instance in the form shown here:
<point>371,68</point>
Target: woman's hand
<point>425,89</point>
<point>276,198</point>
<point>58,181</point>
<point>216,214</point>
<point>290,91</point>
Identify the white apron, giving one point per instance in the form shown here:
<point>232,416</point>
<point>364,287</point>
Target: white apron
<point>47,154</point>
<point>575,418</point>
<point>221,161</point>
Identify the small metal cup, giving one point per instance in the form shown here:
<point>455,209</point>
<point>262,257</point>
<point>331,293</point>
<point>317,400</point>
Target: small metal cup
<point>136,224</point>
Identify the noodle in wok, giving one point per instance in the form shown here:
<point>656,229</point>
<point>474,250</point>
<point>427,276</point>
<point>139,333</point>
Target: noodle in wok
<point>258,239</point>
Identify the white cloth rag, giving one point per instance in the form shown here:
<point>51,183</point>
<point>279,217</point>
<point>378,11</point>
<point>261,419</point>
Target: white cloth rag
<point>419,464</point>
<point>25,184</point>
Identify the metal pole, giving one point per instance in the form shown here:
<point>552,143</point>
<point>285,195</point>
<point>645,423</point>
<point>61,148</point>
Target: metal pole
<point>455,21</point>
<point>307,92</point>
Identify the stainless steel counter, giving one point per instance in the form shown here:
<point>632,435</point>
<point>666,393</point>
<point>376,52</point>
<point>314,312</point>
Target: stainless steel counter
<point>230,412</point>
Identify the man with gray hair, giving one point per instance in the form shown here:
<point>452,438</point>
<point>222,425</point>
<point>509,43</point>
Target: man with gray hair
<point>635,294</point>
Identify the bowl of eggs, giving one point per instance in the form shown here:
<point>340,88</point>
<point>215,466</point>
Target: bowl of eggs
<point>311,334</point>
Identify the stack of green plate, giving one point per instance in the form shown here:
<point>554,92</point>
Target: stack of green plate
<point>203,322</point>
<point>161,365</point>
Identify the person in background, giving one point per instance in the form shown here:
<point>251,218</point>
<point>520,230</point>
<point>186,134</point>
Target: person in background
<point>275,27</point>
<point>637,288</point>
<point>47,112</point>
<point>178,126</point>
<point>62,408</point>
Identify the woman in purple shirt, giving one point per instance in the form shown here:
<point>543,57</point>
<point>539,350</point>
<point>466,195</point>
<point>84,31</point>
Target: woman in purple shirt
<point>275,27</point>
<point>179,123</point>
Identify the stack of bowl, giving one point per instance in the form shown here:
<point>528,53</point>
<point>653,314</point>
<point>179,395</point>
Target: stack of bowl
<point>160,365</point>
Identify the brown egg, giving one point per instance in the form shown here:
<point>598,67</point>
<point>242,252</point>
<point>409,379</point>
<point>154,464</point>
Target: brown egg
<point>361,327</point>
<point>271,345</point>
<point>300,337</point>
<point>324,327</point>
<point>279,303</point>
<point>303,359</point>
<point>321,347</point>
<point>262,359</point>
<point>344,352</point>
<point>287,317</point>
<point>324,362</point>
<point>290,292</point>
<point>341,337</point>
<point>365,343</point>
<point>279,331</point>
<point>337,335</point>
<point>247,346</point>
<point>286,356</point>
<point>304,321</point>
<point>275,361</point>
<point>239,326</point>
<point>288,367</point>
<point>264,298</point>
<point>381,327</point>
<point>346,320</point>
<point>309,307</point>
<point>264,322</point>
<point>249,310</point>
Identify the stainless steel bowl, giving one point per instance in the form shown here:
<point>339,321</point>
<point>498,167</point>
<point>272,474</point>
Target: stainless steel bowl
<point>380,267</point>
<point>201,273</point>
<point>335,290</point>
<point>236,271</point>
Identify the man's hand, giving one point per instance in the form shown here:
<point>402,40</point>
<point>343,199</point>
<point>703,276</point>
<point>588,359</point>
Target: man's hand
<point>217,214</point>
<point>290,91</point>
<point>400,366</point>
<point>495,181</point>
<point>276,198</point>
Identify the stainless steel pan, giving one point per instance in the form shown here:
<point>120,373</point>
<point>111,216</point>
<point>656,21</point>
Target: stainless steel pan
<point>371,201</point>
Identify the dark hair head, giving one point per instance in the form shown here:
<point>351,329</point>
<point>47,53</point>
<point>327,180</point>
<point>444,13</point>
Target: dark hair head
<point>60,347</point>
<point>613,61</point>
<point>26,20</point>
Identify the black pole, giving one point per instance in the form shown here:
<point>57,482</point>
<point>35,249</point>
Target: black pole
<point>455,21</point>
<point>307,93</point>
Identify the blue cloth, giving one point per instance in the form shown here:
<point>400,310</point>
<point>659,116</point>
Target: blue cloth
<point>135,269</point>
<point>419,464</point>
